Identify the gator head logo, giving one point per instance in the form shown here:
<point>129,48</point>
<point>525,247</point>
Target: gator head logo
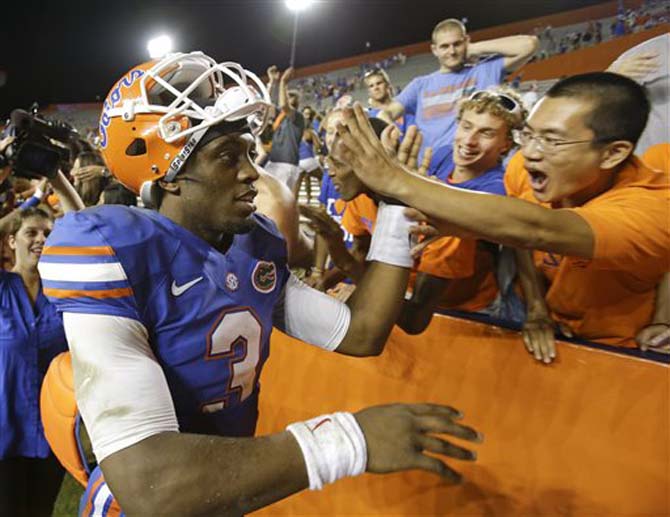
<point>264,277</point>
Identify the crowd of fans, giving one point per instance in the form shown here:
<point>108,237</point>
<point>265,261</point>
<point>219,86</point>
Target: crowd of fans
<point>322,89</point>
<point>525,263</point>
<point>555,41</point>
<point>484,281</point>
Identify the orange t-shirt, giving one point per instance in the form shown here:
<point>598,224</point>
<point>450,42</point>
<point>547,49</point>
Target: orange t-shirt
<point>516,177</point>
<point>610,297</point>
<point>360,216</point>
<point>658,157</point>
<point>454,258</point>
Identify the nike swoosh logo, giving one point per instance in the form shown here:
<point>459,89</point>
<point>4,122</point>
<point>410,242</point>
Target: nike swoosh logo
<point>178,290</point>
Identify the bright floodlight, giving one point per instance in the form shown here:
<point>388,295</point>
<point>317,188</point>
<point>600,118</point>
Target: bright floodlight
<point>298,5</point>
<point>159,46</point>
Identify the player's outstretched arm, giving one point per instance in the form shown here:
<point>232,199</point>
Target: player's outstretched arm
<point>153,469</point>
<point>362,326</point>
<point>186,474</point>
<point>375,307</point>
<point>504,220</point>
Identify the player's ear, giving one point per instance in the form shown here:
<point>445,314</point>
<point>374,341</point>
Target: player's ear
<point>169,186</point>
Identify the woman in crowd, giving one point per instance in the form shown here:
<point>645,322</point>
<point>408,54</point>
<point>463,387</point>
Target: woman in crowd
<point>31,335</point>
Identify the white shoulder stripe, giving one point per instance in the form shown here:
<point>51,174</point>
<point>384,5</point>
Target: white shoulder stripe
<point>100,499</point>
<point>103,272</point>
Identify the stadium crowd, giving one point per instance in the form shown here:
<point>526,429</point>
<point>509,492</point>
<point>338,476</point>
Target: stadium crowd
<point>552,218</point>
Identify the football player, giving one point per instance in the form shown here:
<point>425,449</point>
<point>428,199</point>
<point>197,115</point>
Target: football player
<point>168,312</point>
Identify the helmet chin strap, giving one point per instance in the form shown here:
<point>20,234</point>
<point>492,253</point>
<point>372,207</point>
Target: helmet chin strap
<point>186,151</point>
<point>149,190</point>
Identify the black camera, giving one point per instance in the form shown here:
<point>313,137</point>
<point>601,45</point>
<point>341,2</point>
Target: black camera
<point>40,147</point>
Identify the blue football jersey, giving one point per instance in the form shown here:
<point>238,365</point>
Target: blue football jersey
<point>208,314</point>
<point>97,500</point>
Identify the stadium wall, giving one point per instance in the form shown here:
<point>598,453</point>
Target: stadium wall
<point>591,59</point>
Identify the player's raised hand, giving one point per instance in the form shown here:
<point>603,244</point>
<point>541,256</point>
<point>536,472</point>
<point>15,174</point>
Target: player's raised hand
<point>365,153</point>
<point>398,436</point>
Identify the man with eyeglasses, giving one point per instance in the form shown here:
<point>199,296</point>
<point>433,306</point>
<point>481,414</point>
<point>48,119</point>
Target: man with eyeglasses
<point>432,99</point>
<point>595,214</point>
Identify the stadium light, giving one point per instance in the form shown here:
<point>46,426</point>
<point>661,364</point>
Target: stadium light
<point>159,46</point>
<point>296,6</point>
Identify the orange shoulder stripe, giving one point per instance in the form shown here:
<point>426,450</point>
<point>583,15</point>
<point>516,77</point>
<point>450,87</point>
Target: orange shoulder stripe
<point>79,293</point>
<point>78,250</point>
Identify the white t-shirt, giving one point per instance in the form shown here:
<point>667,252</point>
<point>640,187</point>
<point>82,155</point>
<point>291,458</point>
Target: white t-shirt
<point>658,86</point>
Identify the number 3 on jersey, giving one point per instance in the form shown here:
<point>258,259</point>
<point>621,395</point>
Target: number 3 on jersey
<point>236,337</point>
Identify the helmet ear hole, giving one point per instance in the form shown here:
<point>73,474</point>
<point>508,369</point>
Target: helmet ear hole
<point>137,147</point>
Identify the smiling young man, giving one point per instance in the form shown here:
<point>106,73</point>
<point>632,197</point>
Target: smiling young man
<point>458,273</point>
<point>597,215</point>
<point>168,313</point>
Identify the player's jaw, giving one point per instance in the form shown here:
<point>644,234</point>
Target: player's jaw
<point>236,214</point>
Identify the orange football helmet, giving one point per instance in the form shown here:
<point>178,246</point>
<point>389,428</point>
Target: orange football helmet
<point>155,115</point>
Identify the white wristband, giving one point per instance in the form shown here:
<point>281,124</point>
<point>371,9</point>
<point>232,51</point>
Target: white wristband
<point>391,240</point>
<point>39,193</point>
<point>333,447</point>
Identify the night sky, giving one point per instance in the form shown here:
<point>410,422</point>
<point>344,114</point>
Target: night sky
<point>72,51</point>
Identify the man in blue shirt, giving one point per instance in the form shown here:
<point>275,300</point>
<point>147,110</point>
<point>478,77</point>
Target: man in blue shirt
<point>432,98</point>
